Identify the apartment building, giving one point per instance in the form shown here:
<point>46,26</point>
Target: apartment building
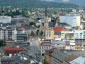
<point>6,34</point>
<point>5,19</point>
<point>75,34</point>
<point>79,34</point>
<point>11,34</point>
<point>74,21</point>
<point>45,46</point>
<point>67,35</point>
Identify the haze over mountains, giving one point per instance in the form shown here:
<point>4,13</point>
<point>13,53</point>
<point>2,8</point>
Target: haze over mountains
<point>78,2</point>
<point>35,4</point>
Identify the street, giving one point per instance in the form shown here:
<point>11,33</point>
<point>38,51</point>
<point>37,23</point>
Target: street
<point>35,48</point>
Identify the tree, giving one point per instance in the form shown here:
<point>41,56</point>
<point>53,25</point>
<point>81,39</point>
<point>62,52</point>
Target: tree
<point>2,43</point>
<point>25,13</point>
<point>41,33</point>
<point>37,32</point>
<point>13,13</point>
<point>32,23</point>
<point>41,37</point>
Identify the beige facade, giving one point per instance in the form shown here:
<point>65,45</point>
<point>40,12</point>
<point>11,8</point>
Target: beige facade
<point>49,34</point>
<point>76,47</point>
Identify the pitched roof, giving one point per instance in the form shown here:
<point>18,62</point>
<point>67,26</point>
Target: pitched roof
<point>79,60</point>
<point>24,23</point>
<point>59,29</point>
<point>52,24</point>
<point>46,43</point>
<point>71,58</point>
<point>23,28</point>
<point>58,42</point>
<point>6,48</point>
<point>28,26</point>
<point>60,56</point>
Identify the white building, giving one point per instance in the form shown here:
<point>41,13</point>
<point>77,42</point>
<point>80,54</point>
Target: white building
<point>58,44</point>
<point>72,35</point>
<point>79,34</point>
<point>45,46</point>
<point>12,35</point>
<point>68,35</point>
<point>6,34</point>
<point>1,34</point>
<point>19,36</point>
<point>5,19</point>
<point>71,20</point>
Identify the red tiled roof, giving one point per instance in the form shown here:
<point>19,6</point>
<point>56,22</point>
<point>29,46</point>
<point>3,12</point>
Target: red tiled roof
<point>23,28</point>
<point>59,29</point>
<point>24,23</point>
<point>9,50</point>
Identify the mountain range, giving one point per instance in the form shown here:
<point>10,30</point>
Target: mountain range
<point>35,4</point>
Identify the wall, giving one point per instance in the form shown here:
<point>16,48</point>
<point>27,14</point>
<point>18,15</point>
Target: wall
<point>71,20</point>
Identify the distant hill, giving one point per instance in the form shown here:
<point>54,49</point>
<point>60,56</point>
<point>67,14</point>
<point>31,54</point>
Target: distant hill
<point>34,4</point>
<point>77,2</point>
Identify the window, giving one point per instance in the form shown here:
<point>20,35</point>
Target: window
<point>48,34</point>
<point>48,48</point>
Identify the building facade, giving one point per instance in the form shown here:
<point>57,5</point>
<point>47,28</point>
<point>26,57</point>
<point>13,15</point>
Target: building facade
<point>5,19</point>
<point>74,21</point>
<point>67,35</point>
<point>79,34</point>
<point>45,46</point>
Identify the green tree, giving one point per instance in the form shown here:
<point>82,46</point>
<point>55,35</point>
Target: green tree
<point>2,43</point>
<point>32,23</point>
<point>25,13</point>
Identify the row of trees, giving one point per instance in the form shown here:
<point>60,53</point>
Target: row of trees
<point>17,12</point>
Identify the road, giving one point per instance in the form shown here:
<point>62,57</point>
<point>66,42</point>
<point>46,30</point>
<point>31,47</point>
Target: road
<point>35,48</point>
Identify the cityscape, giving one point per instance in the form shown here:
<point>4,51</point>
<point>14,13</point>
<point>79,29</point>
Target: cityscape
<point>42,32</point>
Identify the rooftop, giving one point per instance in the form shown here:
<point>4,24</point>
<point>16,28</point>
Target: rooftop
<point>79,60</point>
<point>58,42</point>
<point>59,29</point>
<point>46,43</point>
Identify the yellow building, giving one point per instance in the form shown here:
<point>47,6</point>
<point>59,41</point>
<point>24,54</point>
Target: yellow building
<point>54,33</point>
<point>50,34</point>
